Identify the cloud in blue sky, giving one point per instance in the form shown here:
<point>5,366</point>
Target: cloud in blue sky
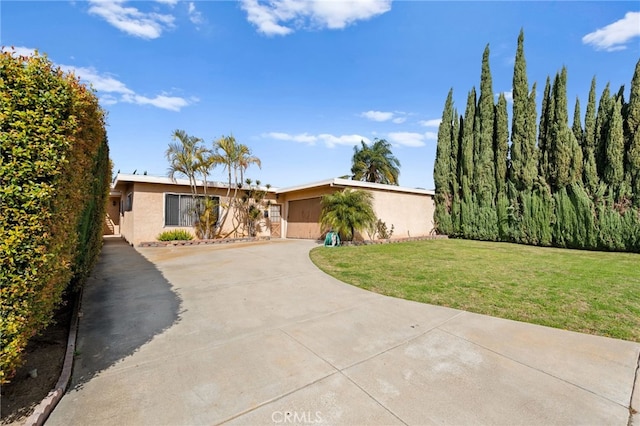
<point>131,20</point>
<point>435,122</point>
<point>328,139</point>
<point>397,117</point>
<point>411,139</point>
<point>615,36</point>
<point>112,90</point>
<point>282,17</point>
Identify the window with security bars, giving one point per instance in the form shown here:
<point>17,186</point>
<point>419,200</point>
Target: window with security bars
<point>274,212</point>
<point>184,209</point>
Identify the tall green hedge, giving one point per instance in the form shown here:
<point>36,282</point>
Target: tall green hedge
<point>575,187</point>
<point>54,183</point>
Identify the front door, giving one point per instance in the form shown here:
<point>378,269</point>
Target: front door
<point>274,220</point>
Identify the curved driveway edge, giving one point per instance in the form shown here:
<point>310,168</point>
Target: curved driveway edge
<point>263,337</point>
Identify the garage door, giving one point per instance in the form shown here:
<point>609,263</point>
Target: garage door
<point>303,219</point>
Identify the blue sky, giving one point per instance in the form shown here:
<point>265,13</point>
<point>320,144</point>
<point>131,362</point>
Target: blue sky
<point>303,81</point>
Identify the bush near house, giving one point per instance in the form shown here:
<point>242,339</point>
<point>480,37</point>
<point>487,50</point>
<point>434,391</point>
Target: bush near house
<point>54,183</point>
<point>175,235</point>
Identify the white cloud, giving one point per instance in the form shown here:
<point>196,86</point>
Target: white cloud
<point>410,139</point>
<point>397,117</point>
<point>194,15</point>
<point>111,90</point>
<point>100,82</point>
<point>147,25</point>
<point>282,17</point>
<point>331,140</point>
<point>434,122</point>
<point>108,87</point>
<point>302,137</point>
<point>614,36</point>
<point>432,136</point>
<point>19,50</point>
<point>377,115</point>
<point>172,103</point>
<point>168,2</point>
<point>328,139</point>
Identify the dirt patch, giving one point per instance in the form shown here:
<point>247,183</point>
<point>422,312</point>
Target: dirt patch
<point>45,354</point>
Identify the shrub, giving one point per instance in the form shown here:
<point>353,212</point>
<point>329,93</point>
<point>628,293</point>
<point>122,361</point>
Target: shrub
<point>381,230</point>
<point>175,235</point>
<point>54,183</point>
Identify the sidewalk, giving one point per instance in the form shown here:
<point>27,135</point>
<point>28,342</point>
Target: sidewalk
<point>253,333</point>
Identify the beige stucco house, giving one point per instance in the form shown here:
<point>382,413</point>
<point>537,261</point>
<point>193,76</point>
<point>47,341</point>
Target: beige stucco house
<point>141,207</point>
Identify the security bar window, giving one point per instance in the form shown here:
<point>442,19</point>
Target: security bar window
<point>184,209</point>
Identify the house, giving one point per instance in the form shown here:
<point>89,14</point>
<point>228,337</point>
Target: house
<point>140,207</point>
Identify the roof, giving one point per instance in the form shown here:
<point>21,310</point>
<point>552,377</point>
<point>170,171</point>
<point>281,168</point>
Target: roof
<point>348,183</point>
<point>164,180</point>
<point>335,183</point>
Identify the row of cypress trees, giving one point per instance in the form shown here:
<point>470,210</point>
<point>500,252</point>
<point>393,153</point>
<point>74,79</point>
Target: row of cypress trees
<point>545,182</point>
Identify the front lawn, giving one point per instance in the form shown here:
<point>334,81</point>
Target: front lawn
<point>585,291</point>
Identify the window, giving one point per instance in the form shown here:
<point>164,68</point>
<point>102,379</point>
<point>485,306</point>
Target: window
<point>126,205</point>
<point>274,213</point>
<point>184,209</point>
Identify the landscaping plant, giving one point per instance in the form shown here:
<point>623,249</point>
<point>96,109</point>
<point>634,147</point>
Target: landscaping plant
<point>54,183</point>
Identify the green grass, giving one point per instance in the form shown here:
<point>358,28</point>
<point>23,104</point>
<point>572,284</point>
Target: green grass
<point>584,291</point>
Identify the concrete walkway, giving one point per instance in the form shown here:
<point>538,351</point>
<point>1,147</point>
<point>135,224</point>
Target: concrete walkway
<point>254,334</point>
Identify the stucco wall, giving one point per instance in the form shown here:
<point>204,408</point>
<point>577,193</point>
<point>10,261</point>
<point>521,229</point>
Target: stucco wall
<point>410,214</point>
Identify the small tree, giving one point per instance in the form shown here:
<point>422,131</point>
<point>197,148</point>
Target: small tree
<point>347,211</point>
<point>250,206</point>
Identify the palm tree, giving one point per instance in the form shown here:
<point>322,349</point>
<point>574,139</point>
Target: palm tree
<point>236,158</point>
<point>347,211</point>
<point>187,156</point>
<point>245,159</point>
<point>375,163</point>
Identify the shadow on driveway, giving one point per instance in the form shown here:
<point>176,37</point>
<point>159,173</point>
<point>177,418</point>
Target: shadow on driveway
<point>126,302</point>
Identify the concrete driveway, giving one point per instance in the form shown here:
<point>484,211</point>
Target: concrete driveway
<point>253,334</point>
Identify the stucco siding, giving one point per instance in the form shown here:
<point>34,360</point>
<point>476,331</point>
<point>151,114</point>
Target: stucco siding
<point>410,214</point>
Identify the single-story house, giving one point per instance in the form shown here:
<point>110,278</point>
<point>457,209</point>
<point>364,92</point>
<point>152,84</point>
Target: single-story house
<point>141,207</point>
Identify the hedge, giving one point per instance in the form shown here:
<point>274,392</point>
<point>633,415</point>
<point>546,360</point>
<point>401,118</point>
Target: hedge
<point>54,183</point>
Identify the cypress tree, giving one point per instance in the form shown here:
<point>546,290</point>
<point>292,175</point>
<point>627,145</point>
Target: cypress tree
<point>485,166</point>
<point>633,136</point>
<point>602,128</point>
<point>590,172</point>
<point>544,133</point>
<point>577,125</point>
<point>455,171</point>
<point>565,156</point>
<point>614,151</point>
<point>530,171</point>
<point>578,133</point>
<point>485,179</point>
<point>501,141</point>
<point>442,169</point>
<point>523,147</point>
<point>466,161</point>
<point>455,152</point>
<point>467,141</point>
